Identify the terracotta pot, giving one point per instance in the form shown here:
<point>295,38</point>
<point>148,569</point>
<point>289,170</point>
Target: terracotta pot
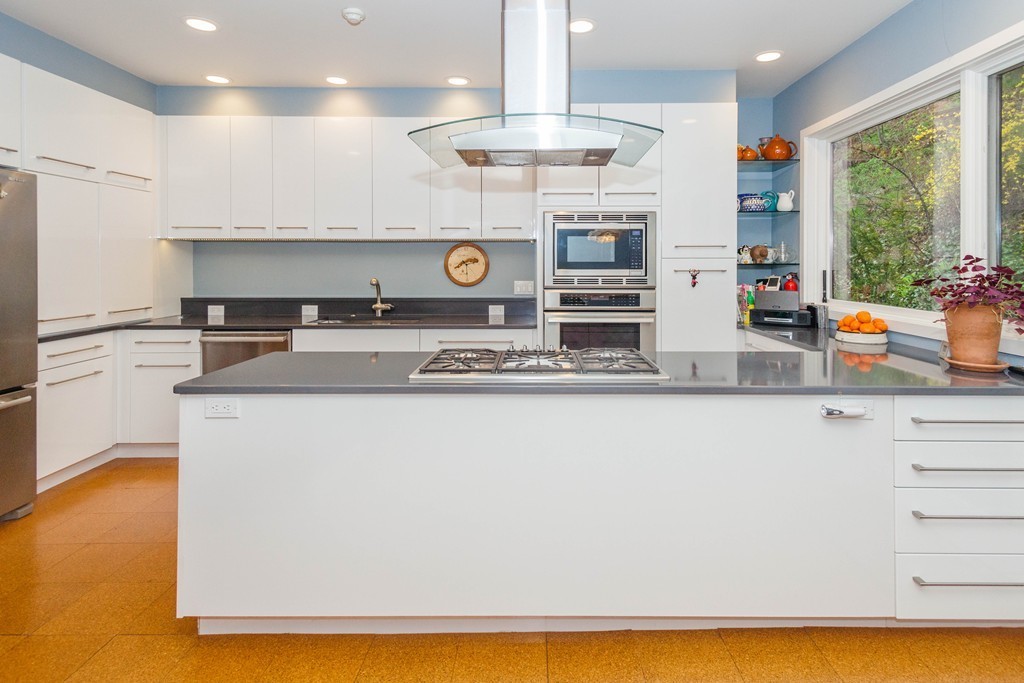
<point>973,333</point>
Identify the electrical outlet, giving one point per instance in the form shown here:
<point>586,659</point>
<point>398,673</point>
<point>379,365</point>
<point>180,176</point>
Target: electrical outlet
<point>523,287</point>
<point>221,407</point>
<point>310,311</point>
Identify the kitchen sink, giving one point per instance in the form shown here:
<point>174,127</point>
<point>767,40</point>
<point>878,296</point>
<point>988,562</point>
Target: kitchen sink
<point>361,319</point>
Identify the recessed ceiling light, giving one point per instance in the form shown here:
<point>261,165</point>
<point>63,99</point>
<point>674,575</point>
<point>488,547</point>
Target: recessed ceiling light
<point>337,80</point>
<point>219,80</point>
<point>200,24</point>
<point>353,15</point>
<point>581,25</point>
<point>458,80</point>
<point>768,55</point>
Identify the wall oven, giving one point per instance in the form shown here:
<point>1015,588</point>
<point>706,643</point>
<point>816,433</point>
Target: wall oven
<point>224,348</point>
<point>580,319</point>
<point>599,249</point>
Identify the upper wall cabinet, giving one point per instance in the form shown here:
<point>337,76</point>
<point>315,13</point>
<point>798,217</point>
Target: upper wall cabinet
<point>506,203</point>
<point>10,112</point>
<point>198,176</point>
<point>294,142</point>
<point>343,178</point>
<point>639,185</point>
<point>569,187</point>
<point>129,144</point>
<point>454,199</point>
<point>252,182</point>
<point>62,122</point>
<point>401,180</point>
<point>126,254</point>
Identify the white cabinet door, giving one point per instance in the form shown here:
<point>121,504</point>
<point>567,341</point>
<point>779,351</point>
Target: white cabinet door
<point>698,211</point>
<point>506,203</point>
<point>401,180</point>
<point>61,125</point>
<point>10,112</point>
<point>343,178</point>
<point>454,199</point>
<point>639,185</point>
<point>252,158</point>
<point>475,338</point>
<point>356,340</point>
<point>569,187</point>
<point>129,144</point>
<point>153,404</point>
<point>126,254</point>
<point>293,177</point>
<point>75,417</point>
<point>198,176</point>
<point>701,318</point>
<point>69,257</point>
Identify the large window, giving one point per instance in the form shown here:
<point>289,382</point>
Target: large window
<point>1011,169</point>
<point>896,205</point>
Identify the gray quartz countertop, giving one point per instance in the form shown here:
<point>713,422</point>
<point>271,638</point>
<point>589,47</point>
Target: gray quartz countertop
<point>790,372</point>
<point>296,322</point>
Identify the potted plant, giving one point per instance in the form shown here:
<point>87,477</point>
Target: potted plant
<point>974,303</point>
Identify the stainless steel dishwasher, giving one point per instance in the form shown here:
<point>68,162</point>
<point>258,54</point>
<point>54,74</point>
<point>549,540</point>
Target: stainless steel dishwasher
<point>221,349</point>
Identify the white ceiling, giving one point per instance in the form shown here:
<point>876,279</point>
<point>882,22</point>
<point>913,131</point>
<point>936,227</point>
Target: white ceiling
<point>417,43</point>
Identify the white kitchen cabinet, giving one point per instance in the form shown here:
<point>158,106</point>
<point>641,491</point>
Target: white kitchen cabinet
<point>128,144</point>
<point>53,354</point>
<point>198,176</point>
<point>698,212</point>
<point>405,339</point>
<point>75,415</point>
<point>69,254</point>
<point>164,341</point>
<point>701,318</point>
<point>343,178</point>
<point>507,208</point>
<point>475,338</point>
<point>454,199</point>
<point>401,180</point>
<point>62,126</point>
<point>153,404</point>
<point>569,187</point>
<point>984,586</point>
<point>126,254</point>
<point>638,185</point>
<point>10,112</point>
<point>294,142</point>
<point>252,180</point>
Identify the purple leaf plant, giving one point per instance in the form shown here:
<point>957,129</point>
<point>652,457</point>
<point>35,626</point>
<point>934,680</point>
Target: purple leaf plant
<point>975,284</point>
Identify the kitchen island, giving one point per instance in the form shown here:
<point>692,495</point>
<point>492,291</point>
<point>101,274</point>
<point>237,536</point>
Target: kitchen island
<point>324,492</point>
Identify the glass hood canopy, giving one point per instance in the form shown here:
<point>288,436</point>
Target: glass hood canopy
<point>536,140</point>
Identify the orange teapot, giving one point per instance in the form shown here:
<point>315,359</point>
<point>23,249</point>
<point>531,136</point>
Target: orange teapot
<point>777,149</point>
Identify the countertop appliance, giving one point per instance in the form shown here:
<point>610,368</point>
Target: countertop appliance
<point>780,308</point>
<point>18,341</point>
<point>586,366</point>
<point>599,249</point>
<point>221,349</point>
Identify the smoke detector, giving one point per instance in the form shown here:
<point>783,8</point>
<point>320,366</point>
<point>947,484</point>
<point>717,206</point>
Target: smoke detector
<point>353,15</point>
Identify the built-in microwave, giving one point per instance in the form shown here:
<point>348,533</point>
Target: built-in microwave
<point>599,249</point>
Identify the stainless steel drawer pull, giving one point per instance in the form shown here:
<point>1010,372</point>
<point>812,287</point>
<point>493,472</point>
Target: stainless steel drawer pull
<point>701,246</point>
<point>165,341</point>
<point>291,227</point>
<point>456,227</point>
<point>920,515</point>
<point>341,227</point>
<point>129,310</point>
<point>585,194</point>
<point>702,270</point>
<point>130,175</point>
<point>67,317</point>
<point>475,341</point>
<point>967,584</point>
<point>646,193</point>
<point>925,421</point>
<point>400,227</point>
<point>68,353</point>
<point>923,468</point>
<point>197,227</point>
<point>69,163</point>
<point>250,227</point>
<point>7,149</point>
<point>145,365</point>
<point>506,227</point>
<point>72,379</point>
<point>229,340</point>
<point>4,405</point>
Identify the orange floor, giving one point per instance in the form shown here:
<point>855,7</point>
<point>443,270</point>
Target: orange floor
<point>87,594</point>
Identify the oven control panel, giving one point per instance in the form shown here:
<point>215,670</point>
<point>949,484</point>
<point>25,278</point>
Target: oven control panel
<point>634,300</point>
<point>609,300</point>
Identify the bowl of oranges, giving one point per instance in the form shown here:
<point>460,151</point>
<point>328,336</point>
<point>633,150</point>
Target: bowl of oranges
<point>862,328</point>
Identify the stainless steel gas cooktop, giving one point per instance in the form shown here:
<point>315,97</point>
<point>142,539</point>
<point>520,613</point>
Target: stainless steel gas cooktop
<point>587,366</point>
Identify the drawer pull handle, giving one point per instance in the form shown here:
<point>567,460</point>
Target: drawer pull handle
<point>69,163</point>
<point>341,227</point>
<point>701,246</point>
<point>72,379</point>
<point>924,468</point>
<point>131,175</point>
<point>920,515</point>
<point>4,405</point>
<point>252,339</point>
<point>67,317</point>
<point>708,270</point>
<point>400,227</point>
<point>583,194</point>
<point>250,227</point>
<point>129,310</point>
<point>68,353</point>
<point>475,341</point>
<point>165,341</point>
<point>644,193</point>
<point>967,584</point>
<point>7,149</point>
<point>506,227</point>
<point>292,227</point>
<point>925,421</point>
<point>144,365</point>
<point>197,227</point>
<point>456,227</point>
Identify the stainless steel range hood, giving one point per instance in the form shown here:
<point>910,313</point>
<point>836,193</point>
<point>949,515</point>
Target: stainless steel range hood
<point>536,128</point>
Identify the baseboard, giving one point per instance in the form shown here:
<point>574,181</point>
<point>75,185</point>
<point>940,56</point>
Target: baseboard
<point>121,450</point>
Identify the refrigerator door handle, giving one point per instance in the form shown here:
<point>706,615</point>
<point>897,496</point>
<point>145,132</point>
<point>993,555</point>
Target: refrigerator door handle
<point>4,405</point>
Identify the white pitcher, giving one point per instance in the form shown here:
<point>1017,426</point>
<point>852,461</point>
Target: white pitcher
<point>785,202</point>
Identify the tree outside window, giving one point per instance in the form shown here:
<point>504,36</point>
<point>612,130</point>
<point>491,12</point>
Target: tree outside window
<point>1011,169</point>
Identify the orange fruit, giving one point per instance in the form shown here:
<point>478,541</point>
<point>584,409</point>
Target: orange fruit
<point>855,326</point>
<point>845,322</point>
<point>868,328</point>
<point>863,316</point>
<point>880,324</point>
<point>844,328</point>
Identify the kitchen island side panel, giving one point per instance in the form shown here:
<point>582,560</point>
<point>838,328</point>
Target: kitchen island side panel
<point>442,505</point>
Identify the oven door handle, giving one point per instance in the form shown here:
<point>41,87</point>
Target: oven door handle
<point>600,319</point>
<point>241,338</point>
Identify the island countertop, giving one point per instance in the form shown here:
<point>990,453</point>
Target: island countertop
<point>726,372</point>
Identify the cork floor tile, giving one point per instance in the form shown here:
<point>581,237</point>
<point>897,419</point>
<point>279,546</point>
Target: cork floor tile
<point>20,564</point>
<point>963,654</point>
<point>160,618</point>
<point>501,657</point>
<point>1008,641</point>
<point>84,528</point>
<point>165,503</point>
<point>40,659</point>
<point>28,529</point>
<point>782,655</point>
<point>106,608</point>
<point>141,527</point>
<point>316,658</point>
<point>159,562</point>
<point>412,658</point>
<point>93,562</point>
<point>685,657</point>
<point>224,658</point>
<point>8,642</point>
<point>139,659</point>
<point>869,655</point>
<point>593,658</point>
<point>107,498</point>
<point>26,609</point>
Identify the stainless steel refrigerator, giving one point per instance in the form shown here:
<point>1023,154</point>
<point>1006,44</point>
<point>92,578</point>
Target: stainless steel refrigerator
<point>18,341</point>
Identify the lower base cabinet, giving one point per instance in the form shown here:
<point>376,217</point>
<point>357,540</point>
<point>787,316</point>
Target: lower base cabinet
<point>697,307</point>
<point>154,405</point>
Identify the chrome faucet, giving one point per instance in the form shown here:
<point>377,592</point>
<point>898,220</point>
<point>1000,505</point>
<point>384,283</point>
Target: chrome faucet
<point>378,307</point>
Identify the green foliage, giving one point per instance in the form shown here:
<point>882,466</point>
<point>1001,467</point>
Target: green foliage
<point>1012,178</point>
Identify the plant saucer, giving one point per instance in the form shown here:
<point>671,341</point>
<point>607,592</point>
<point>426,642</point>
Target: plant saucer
<point>976,367</point>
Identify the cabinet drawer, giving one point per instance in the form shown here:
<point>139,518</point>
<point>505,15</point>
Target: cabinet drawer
<point>499,340</point>
<point>75,418</point>
<point>964,418</point>
<point>960,521</point>
<point>54,354</point>
<point>964,599</point>
<point>931,464</point>
<point>154,405</point>
<point>164,341</point>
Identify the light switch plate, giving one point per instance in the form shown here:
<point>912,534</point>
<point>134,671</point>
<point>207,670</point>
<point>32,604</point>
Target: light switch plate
<point>310,313</point>
<point>496,315</point>
<point>522,287</point>
<point>215,315</point>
